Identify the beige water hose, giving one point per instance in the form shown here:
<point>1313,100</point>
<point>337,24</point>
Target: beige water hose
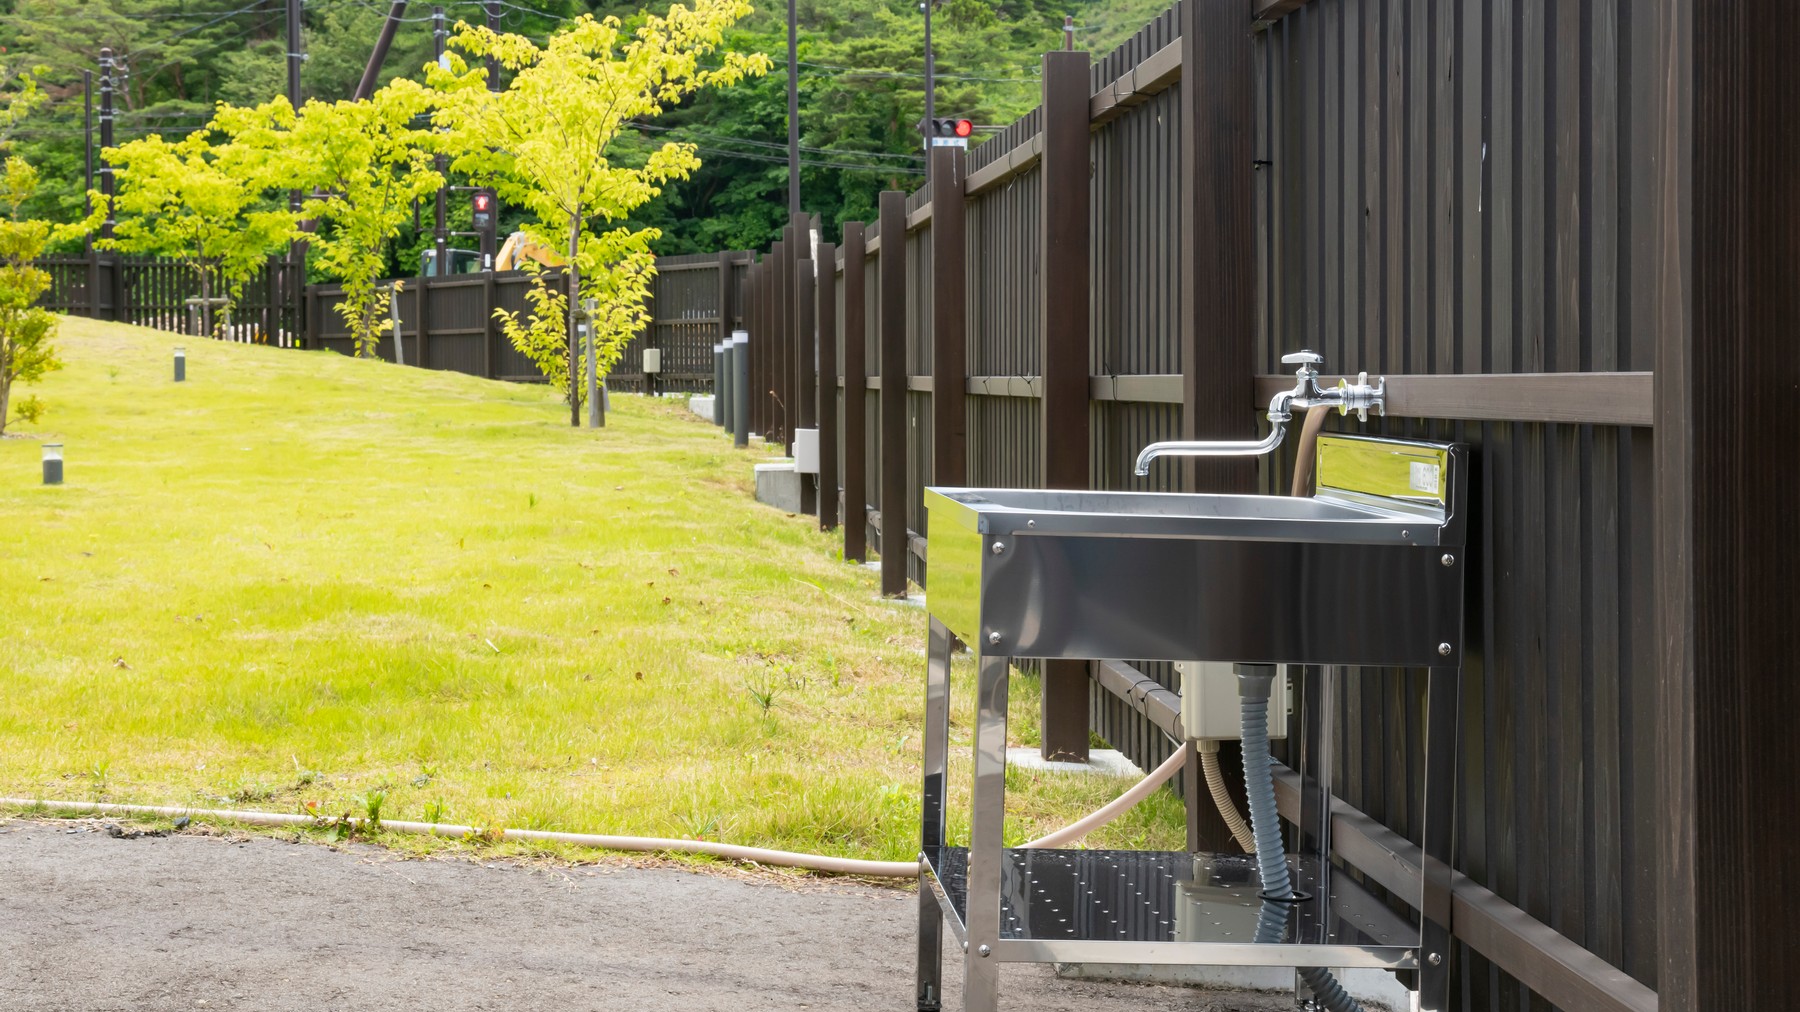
<point>1115,808</point>
<point>1215,782</point>
<point>757,855</point>
<point>731,852</point>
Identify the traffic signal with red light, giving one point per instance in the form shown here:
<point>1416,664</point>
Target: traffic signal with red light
<point>481,205</point>
<point>947,132</point>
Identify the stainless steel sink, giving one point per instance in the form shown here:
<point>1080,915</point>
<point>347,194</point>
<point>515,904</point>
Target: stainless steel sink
<point>1367,572</point>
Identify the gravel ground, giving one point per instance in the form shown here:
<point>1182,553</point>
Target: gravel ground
<point>91,921</point>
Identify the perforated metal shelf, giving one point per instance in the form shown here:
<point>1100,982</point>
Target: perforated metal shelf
<point>1163,896</point>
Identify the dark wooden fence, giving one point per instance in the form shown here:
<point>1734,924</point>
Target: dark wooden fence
<point>1455,195</point>
<point>156,292</point>
<point>448,323</point>
<point>445,323</point>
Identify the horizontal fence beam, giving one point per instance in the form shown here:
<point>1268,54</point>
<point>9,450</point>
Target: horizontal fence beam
<point>1585,398</point>
<point>1590,398</point>
<point>915,542</point>
<point>1158,73</point>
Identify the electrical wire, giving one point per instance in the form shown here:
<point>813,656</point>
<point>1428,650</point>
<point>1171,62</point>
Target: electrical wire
<point>689,132</point>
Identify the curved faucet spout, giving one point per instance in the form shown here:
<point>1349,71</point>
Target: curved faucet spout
<point>1204,448</point>
<point>1346,397</point>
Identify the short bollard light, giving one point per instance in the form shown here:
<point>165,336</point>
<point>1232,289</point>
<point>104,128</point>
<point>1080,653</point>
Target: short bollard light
<point>181,365</point>
<point>53,463</point>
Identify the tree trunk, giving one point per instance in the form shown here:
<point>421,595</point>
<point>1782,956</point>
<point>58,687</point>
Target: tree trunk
<point>206,325</point>
<point>5,395</point>
<point>574,291</point>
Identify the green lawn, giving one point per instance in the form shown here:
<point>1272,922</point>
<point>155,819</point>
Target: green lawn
<point>300,577</point>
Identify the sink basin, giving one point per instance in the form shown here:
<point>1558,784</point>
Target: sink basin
<point>1366,573</point>
<point>1174,515</point>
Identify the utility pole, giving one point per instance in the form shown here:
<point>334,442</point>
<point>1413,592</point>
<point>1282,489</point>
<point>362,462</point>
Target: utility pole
<point>440,35</point>
<point>493,24</point>
<point>793,115</point>
<point>106,138</point>
<point>87,133</point>
<point>930,78</point>
<point>490,236</point>
<point>293,75</point>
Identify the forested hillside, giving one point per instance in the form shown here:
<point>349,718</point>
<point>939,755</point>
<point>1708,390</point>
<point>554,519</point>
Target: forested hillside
<point>861,89</point>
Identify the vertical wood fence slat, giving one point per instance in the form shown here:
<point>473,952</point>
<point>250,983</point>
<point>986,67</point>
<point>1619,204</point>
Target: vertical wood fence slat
<point>855,391</point>
<point>892,293</point>
<point>825,319</point>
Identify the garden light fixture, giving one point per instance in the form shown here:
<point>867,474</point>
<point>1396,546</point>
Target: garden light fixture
<point>53,463</point>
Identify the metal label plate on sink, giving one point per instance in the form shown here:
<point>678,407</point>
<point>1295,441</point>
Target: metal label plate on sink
<point>1384,469</point>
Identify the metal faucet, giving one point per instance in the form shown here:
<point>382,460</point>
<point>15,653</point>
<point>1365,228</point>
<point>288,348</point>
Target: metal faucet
<point>1307,394</point>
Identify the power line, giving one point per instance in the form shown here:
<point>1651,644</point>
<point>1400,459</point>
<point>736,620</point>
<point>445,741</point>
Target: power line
<point>722,138</point>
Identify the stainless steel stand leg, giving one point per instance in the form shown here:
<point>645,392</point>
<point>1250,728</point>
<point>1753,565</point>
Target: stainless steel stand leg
<point>930,992</point>
<point>1441,766</point>
<point>981,974</point>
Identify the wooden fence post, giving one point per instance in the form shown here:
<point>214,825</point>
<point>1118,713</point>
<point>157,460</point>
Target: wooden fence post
<point>825,292</point>
<point>1218,262</point>
<point>949,318</point>
<point>759,356</point>
<point>1063,231</point>
<point>421,324</point>
<point>855,394</point>
<point>784,330</point>
<point>893,392</point>
<point>490,331</point>
<point>806,388</point>
<point>725,299</point>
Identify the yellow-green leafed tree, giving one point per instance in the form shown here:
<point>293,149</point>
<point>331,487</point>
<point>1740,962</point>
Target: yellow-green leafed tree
<point>542,144</point>
<point>26,329</point>
<point>211,203</point>
<point>364,163</point>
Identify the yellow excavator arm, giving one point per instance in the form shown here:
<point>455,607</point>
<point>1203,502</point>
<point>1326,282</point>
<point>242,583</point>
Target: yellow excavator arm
<point>520,247</point>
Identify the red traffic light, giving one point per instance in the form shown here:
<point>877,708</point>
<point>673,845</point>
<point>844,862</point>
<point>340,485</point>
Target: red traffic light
<point>947,127</point>
<point>484,202</point>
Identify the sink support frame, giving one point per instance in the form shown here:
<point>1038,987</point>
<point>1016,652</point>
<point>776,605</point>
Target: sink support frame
<point>980,935</point>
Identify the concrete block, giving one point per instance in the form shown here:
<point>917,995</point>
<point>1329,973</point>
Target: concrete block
<point>702,405</point>
<point>780,486</point>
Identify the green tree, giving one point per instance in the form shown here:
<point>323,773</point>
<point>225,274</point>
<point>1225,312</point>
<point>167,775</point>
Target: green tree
<point>26,329</point>
<point>364,164</point>
<point>543,142</point>
<point>205,203</point>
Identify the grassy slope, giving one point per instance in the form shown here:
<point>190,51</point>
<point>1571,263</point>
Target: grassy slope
<point>300,577</point>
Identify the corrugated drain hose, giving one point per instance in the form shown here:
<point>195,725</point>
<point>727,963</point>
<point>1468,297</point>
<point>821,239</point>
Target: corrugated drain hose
<point>1215,783</point>
<point>1265,821</point>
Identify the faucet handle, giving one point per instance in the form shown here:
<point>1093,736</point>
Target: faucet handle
<point>1303,357</point>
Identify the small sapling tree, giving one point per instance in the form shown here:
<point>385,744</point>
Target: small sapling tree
<point>543,142</point>
<point>207,202</point>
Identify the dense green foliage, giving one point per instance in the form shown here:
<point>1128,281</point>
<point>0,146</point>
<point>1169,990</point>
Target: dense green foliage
<point>861,78</point>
